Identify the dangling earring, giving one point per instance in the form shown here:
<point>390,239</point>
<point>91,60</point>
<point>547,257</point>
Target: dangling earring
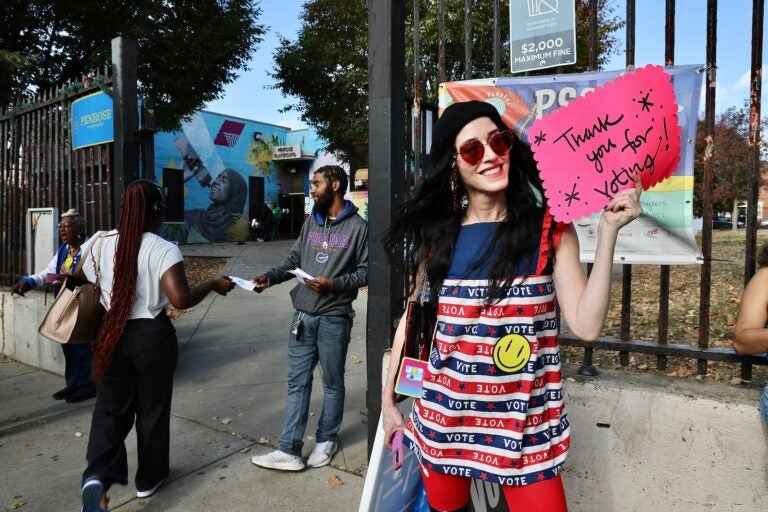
<point>455,186</point>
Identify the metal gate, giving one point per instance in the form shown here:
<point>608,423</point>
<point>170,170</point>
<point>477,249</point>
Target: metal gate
<point>39,168</point>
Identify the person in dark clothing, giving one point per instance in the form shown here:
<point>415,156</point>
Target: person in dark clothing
<point>333,248</point>
<point>134,355</point>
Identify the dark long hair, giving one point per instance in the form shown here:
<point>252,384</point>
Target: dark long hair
<point>429,226</point>
<point>142,202</point>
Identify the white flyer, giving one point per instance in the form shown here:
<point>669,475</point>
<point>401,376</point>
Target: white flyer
<point>243,283</point>
<point>301,275</point>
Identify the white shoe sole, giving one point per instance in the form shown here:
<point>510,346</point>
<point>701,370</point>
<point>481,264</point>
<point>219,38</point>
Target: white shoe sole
<point>282,466</point>
<point>151,492</point>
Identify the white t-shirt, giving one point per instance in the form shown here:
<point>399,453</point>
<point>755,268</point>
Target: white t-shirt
<point>156,255</point>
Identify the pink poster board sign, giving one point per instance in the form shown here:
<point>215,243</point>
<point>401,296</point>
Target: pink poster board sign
<point>588,150</point>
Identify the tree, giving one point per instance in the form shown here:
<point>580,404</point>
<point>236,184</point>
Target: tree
<point>326,67</point>
<point>188,49</point>
<point>732,160</point>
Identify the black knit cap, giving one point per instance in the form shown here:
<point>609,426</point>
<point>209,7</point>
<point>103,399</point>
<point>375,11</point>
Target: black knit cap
<point>450,123</point>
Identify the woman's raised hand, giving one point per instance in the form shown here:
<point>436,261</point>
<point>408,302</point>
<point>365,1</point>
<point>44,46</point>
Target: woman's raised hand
<point>625,206</point>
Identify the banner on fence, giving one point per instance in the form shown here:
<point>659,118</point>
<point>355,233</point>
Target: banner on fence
<point>92,120</point>
<point>665,233</point>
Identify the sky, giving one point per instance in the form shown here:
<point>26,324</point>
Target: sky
<point>250,97</point>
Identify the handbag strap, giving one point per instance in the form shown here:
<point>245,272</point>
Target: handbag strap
<point>98,237</point>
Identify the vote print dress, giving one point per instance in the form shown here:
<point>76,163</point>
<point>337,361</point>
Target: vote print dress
<point>492,401</point>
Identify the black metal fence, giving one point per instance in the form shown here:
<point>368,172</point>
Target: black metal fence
<point>394,133</point>
<point>39,169</point>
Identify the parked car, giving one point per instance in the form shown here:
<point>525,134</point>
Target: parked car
<point>721,223</point>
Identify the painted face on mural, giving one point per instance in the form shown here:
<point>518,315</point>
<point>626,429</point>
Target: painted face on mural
<point>321,191</point>
<point>220,188</point>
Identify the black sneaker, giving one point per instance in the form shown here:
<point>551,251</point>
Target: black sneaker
<point>149,492</point>
<point>81,395</point>
<point>65,392</point>
<point>94,496</point>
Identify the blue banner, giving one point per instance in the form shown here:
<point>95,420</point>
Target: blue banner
<point>92,120</point>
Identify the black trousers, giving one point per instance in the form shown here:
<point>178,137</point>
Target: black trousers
<point>137,385</point>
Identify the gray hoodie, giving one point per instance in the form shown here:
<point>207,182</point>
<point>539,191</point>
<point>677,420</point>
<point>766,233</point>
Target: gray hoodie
<point>345,261</point>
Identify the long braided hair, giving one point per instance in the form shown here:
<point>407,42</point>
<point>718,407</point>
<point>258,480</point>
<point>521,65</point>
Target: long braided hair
<point>142,200</point>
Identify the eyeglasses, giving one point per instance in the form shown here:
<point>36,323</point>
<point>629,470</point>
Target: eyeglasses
<point>500,142</point>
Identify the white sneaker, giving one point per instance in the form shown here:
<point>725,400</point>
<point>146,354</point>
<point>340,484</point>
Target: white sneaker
<point>279,460</point>
<point>322,454</point>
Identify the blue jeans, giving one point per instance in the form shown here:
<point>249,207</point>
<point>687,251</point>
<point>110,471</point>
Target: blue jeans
<point>323,338</point>
<point>764,404</point>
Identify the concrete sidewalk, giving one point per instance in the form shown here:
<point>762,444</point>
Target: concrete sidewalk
<point>228,405</point>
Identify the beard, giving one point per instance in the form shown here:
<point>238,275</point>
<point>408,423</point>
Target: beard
<point>323,203</point>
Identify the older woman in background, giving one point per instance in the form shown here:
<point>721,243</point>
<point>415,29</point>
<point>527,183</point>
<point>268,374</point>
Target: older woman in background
<point>77,356</point>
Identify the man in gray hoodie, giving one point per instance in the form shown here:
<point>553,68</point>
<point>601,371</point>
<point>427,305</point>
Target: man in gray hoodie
<point>333,248</point>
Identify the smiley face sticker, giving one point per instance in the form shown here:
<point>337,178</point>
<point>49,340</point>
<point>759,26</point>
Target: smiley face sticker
<point>511,353</point>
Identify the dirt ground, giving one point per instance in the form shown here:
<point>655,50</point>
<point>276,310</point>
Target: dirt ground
<point>728,250</point>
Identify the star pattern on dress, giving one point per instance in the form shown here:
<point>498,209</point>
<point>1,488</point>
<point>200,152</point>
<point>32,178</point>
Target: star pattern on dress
<point>540,477</point>
<point>489,439</point>
<point>520,310</point>
<point>461,421</point>
<point>462,386</point>
<point>449,329</point>
<point>490,406</point>
<point>432,434</point>
<point>439,397</point>
<point>519,385</point>
<point>534,439</point>
<point>455,290</point>
<point>484,475</point>
<point>491,331</point>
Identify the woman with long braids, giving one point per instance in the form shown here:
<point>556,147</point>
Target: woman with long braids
<point>136,349</point>
<point>501,271</point>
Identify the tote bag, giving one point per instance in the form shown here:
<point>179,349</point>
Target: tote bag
<point>76,313</point>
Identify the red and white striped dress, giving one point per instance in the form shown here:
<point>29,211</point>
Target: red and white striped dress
<point>492,402</point>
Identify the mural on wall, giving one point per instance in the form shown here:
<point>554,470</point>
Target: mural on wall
<point>217,155</point>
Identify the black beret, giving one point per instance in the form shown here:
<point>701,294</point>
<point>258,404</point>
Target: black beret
<point>450,123</point>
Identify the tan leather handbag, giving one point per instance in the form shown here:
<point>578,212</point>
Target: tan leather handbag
<point>76,313</point>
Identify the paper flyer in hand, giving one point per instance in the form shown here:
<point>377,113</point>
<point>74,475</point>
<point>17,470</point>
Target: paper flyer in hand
<point>243,283</point>
<point>301,275</point>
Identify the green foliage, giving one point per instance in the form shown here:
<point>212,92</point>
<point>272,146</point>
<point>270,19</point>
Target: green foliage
<point>188,49</point>
<point>732,159</point>
<point>326,67</point>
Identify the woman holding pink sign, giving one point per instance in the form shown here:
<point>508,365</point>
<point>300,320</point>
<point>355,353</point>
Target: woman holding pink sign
<point>501,271</point>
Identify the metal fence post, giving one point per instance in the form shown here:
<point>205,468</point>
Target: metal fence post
<point>126,148</point>
<point>386,149</point>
